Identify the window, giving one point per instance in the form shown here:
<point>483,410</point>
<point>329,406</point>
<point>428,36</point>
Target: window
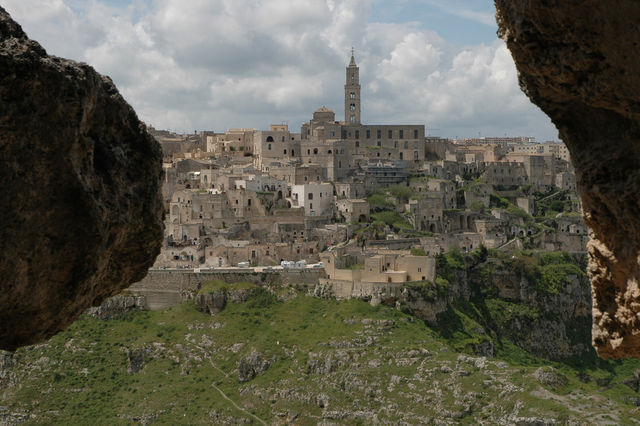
<point>406,144</point>
<point>419,269</point>
<point>352,107</point>
<point>352,95</point>
<point>249,202</point>
<point>309,152</point>
<point>315,151</point>
<point>395,144</point>
<point>401,134</point>
<point>390,134</point>
<point>357,134</point>
<point>311,195</point>
<point>352,119</point>
<point>310,205</point>
<point>415,145</point>
<point>236,201</point>
<point>379,133</point>
<point>368,134</point>
<point>269,147</point>
<point>285,152</point>
<point>379,143</point>
<point>415,134</point>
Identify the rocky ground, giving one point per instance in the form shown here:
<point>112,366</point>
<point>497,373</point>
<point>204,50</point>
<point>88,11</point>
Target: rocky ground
<point>289,358</point>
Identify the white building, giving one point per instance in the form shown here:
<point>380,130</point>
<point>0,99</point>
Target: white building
<point>316,198</point>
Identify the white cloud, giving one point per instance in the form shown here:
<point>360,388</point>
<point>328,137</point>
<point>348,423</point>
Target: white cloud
<point>242,63</point>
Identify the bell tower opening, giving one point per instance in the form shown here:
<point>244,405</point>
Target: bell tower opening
<point>352,93</point>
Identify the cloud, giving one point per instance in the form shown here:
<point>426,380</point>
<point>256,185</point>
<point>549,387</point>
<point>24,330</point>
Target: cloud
<point>246,63</point>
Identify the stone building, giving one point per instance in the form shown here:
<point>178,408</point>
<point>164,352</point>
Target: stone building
<point>315,198</point>
<point>353,210</point>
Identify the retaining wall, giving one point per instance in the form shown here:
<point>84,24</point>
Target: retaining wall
<point>164,288</point>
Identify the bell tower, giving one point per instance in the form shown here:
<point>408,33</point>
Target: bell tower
<point>352,93</point>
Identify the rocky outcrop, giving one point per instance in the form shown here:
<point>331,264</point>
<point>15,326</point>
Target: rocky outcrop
<point>116,306</point>
<point>577,60</point>
<point>252,365</point>
<point>81,178</point>
<point>215,301</point>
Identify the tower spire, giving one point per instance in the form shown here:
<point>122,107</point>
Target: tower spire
<point>353,59</point>
<point>352,93</point>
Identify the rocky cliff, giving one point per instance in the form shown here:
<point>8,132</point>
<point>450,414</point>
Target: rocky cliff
<point>577,60</point>
<point>81,178</point>
<point>538,301</point>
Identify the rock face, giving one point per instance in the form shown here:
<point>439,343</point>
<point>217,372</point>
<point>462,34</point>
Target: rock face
<point>116,306</point>
<point>577,60</point>
<point>81,179</point>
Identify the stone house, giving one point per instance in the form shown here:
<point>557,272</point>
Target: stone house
<point>315,198</point>
<point>353,210</point>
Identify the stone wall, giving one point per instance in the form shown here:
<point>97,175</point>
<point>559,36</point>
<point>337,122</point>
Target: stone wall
<point>164,288</point>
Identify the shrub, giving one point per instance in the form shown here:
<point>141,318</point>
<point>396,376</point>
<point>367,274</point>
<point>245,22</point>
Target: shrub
<point>418,251</point>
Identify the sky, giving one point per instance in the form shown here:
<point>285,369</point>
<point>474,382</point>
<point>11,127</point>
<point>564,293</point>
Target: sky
<point>193,65</point>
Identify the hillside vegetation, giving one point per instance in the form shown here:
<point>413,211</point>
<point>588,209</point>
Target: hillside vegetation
<point>302,360</point>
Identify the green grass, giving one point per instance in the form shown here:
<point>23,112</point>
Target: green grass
<point>80,376</point>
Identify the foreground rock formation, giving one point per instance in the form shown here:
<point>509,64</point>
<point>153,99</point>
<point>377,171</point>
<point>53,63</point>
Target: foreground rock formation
<point>578,62</point>
<point>81,207</point>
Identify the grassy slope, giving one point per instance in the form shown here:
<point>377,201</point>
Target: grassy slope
<point>81,377</point>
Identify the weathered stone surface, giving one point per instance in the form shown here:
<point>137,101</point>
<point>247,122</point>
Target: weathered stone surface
<point>116,306</point>
<point>578,61</point>
<point>252,365</point>
<point>81,178</point>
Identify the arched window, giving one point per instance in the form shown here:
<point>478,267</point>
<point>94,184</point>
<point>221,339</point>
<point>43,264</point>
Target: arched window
<point>269,138</point>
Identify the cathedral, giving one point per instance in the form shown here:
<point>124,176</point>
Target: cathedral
<point>343,146</point>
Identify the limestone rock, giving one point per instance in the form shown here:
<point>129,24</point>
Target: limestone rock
<point>252,365</point>
<point>81,180</point>
<point>116,306</point>
<point>577,60</point>
<point>211,303</point>
<point>551,377</point>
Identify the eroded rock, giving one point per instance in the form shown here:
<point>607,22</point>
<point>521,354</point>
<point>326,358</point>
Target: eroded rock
<point>81,178</point>
<point>577,60</point>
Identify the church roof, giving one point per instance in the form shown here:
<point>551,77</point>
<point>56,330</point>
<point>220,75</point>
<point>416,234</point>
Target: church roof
<point>323,109</point>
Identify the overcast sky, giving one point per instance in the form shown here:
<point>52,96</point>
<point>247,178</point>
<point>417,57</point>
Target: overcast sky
<point>190,65</point>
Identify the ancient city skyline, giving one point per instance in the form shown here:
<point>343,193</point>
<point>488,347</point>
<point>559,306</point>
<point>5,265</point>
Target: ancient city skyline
<point>228,65</point>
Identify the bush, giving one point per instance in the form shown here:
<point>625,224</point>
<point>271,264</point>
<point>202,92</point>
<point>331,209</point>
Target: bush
<point>401,192</point>
<point>418,251</point>
<point>379,202</point>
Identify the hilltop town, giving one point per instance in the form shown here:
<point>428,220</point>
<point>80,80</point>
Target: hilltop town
<point>371,205</point>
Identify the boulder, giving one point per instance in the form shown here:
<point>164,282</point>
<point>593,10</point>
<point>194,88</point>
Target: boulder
<point>81,179</point>
<point>577,60</point>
